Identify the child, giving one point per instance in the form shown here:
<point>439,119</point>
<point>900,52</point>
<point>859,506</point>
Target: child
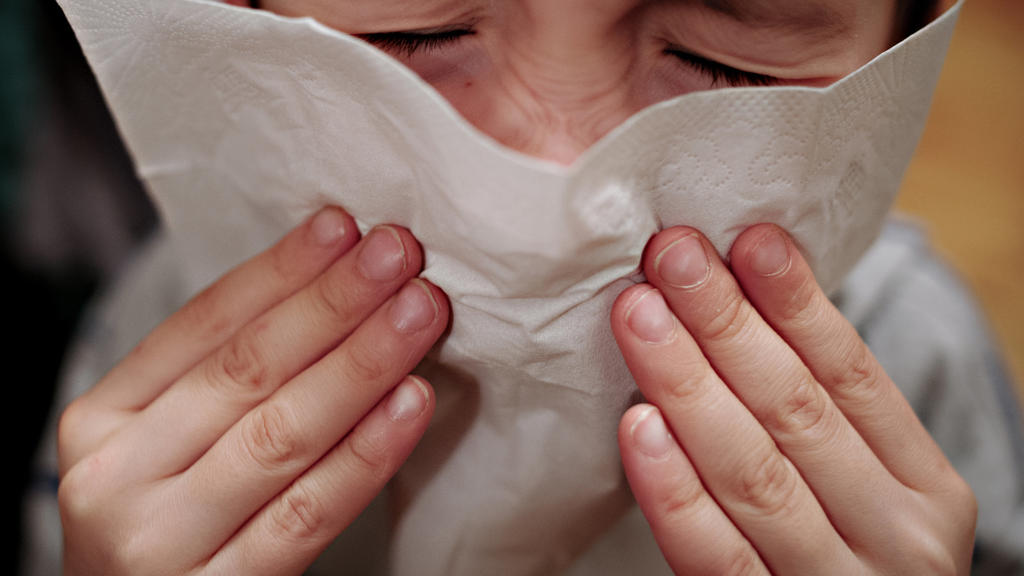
<point>774,441</point>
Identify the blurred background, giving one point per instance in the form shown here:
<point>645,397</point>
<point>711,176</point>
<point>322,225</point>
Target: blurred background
<point>967,181</point>
<point>72,210</point>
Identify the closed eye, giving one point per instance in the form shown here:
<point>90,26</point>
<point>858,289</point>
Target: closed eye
<point>407,43</point>
<point>720,73</point>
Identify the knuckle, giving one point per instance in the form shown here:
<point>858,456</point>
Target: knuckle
<point>133,554</point>
<point>80,494</point>
<point>933,556</point>
<point>804,412</point>
<point>241,367</point>
<point>334,297</point>
<point>740,562</point>
<point>72,425</point>
<point>74,499</point>
<point>691,384</point>
<point>106,531</point>
<point>281,262</point>
<point>964,504</point>
<point>270,439</point>
<point>205,314</point>
<point>298,516</point>
<point>802,306</point>
<point>728,322</point>
<point>768,484</point>
<point>371,455</point>
<point>367,365</point>
<point>684,500</point>
<point>861,380</point>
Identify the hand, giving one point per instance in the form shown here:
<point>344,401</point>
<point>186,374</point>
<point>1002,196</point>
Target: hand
<point>787,449</point>
<point>254,425</point>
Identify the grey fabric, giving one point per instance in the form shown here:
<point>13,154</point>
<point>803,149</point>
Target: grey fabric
<point>912,311</point>
<point>925,329</point>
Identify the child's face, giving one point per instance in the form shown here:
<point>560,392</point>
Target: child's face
<point>549,78</point>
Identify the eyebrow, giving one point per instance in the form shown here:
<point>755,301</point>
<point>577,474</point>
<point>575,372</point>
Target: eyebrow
<point>769,14</point>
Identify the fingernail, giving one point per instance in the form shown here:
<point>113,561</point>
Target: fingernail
<point>650,319</point>
<point>650,435</point>
<point>684,263</point>
<point>771,256</point>
<point>383,256</point>
<point>414,308</point>
<point>328,226</point>
<point>408,400</point>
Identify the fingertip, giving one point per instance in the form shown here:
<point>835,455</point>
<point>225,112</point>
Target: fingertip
<point>410,400</point>
<point>413,250</point>
<point>629,420</point>
<point>424,387</point>
<point>647,433</point>
<point>625,301</point>
<point>622,312</point>
<point>751,236</point>
<point>764,250</point>
<point>669,235</point>
<point>441,302</point>
<point>331,226</point>
<point>657,244</point>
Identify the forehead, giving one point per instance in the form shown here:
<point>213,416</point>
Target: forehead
<point>356,15</point>
<point>820,14</point>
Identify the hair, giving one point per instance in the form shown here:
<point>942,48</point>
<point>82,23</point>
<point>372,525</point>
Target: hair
<point>912,15</point>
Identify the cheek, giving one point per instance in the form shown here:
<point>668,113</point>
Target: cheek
<point>466,79</point>
<point>476,97</point>
<point>464,76</point>
<point>665,77</point>
<point>451,67</point>
<point>484,101</point>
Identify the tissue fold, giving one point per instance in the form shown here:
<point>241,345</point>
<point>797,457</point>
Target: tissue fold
<point>242,123</point>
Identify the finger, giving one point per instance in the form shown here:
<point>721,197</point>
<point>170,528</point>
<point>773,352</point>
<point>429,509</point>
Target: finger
<point>200,326</point>
<point>694,535</point>
<point>276,441</point>
<point>739,464</point>
<point>294,528</point>
<point>184,422</point>
<point>780,284</point>
<point>213,316</point>
<point>772,382</point>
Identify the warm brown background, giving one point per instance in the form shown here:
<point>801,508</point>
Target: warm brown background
<point>967,181</point>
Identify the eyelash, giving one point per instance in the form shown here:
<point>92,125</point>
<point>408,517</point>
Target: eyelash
<point>720,73</point>
<point>408,43</point>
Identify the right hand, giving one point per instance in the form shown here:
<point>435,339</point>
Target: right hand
<point>251,427</point>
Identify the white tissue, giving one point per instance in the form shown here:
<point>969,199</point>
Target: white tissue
<point>242,123</point>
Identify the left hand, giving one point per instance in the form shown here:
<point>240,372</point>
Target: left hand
<point>787,449</point>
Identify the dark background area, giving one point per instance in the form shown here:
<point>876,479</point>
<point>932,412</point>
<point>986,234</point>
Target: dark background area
<point>71,211</point>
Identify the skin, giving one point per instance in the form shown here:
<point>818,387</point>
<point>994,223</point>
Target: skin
<point>550,78</point>
<point>773,441</point>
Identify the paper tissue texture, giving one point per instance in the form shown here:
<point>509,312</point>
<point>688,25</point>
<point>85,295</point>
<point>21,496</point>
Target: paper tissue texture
<point>242,123</point>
